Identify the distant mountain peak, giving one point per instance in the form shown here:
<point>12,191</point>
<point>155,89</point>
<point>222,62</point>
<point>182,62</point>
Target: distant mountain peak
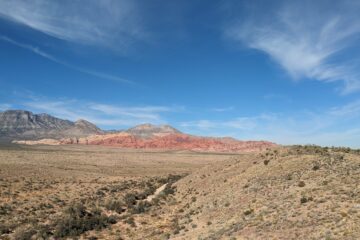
<point>149,130</point>
<point>27,125</point>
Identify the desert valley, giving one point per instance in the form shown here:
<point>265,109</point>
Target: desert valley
<point>179,120</point>
<point>153,182</point>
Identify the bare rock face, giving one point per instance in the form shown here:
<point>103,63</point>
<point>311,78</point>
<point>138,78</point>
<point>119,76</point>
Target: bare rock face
<point>20,124</point>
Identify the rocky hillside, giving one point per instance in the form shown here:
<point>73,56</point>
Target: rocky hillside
<point>20,124</point>
<point>286,193</point>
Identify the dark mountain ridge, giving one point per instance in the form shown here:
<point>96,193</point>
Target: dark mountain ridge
<point>20,124</point>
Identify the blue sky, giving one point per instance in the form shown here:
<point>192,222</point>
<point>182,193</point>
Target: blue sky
<point>284,71</point>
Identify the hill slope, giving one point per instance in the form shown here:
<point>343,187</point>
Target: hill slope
<point>296,193</point>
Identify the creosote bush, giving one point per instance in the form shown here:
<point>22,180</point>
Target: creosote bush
<point>304,199</point>
<point>248,211</point>
<point>301,184</point>
<point>115,205</point>
<point>77,220</point>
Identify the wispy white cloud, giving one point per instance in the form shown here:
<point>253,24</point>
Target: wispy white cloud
<point>104,115</point>
<point>151,113</point>
<point>239,123</point>
<point>30,48</point>
<point>338,126</point>
<point>113,23</point>
<point>50,57</point>
<point>4,106</point>
<point>306,39</point>
<point>351,109</point>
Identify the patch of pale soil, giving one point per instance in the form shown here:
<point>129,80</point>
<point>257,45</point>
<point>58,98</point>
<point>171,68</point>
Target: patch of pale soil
<point>157,192</point>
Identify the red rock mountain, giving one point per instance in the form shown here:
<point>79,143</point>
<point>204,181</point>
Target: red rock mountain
<point>165,137</point>
<point>24,127</point>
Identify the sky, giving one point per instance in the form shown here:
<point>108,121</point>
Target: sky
<point>283,71</point>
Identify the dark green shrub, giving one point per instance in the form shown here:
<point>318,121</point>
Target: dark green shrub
<point>130,199</point>
<point>141,207</point>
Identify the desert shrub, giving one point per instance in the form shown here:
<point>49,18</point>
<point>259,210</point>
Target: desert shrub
<point>5,209</point>
<point>141,207</point>
<point>130,199</point>
<point>77,220</point>
<point>24,233</point>
<point>100,193</point>
<point>130,221</point>
<point>248,211</point>
<point>304,199</point>
<point>171,178</point>
<point>266,162</point>
<point>43,232</point>
<point>144,194</point>
<point>169,190</point>
<point>339,157</point>
<point>114,205</point>
<point>316,167</point>
<point>301,184</point>
<point>4,229</point>
<point>309,149</point>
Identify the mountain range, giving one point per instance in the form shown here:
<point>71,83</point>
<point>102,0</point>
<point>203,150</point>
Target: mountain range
<point>25,127</point>
<point>20,124</point>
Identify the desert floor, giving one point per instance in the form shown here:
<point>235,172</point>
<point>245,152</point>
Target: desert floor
<point>91,192</point>
<point>39,184</point>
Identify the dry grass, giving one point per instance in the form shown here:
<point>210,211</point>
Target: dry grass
<point>39,184</point>
<point>91,192</point>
